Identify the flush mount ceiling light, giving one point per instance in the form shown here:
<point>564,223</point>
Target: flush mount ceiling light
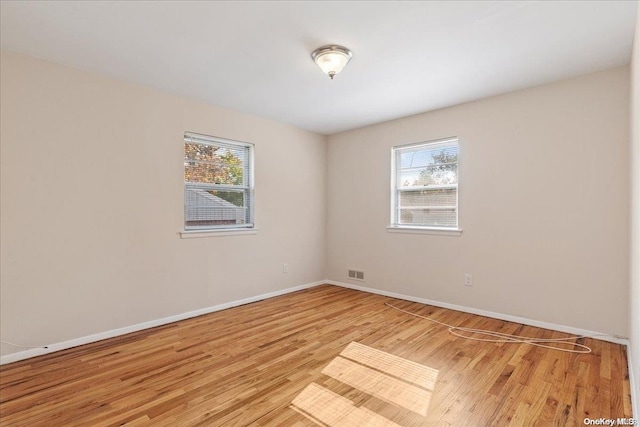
<point>331,58</point>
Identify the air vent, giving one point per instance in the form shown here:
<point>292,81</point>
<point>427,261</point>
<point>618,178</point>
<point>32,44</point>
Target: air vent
<point>356,275</point>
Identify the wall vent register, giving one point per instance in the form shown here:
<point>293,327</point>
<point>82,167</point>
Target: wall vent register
<point>356,275</point>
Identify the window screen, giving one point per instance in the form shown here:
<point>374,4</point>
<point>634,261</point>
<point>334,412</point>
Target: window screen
<point>218,183</point>
<point>425,185</point>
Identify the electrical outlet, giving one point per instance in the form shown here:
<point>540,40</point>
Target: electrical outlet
<point>285,268</point>
<point>468,280</point>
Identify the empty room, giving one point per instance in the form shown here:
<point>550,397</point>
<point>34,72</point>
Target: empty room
<point>319,213</point>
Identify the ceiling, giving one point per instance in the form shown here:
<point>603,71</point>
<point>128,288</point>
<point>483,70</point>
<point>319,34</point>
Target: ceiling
<point>408,57</point>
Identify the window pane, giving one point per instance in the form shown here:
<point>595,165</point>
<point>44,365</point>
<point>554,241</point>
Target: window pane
<point>420,157</point>
<point>205,207</point>
<point>431,175</point>
<point>428,218</point>
<point>214,165</point>
<point>214,173</point>
<point>428,198</point>
<point>235,197</point>
<point>195,151</point>
<point>435,208</point>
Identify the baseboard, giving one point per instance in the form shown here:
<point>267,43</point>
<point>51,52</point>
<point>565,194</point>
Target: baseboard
<point>26,354</point>
<point>635,403</point>
<point>500,316</point>
<point>21,355</point>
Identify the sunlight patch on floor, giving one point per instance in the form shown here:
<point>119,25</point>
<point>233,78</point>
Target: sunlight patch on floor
<point>391,379</point>
<point>329,408</point>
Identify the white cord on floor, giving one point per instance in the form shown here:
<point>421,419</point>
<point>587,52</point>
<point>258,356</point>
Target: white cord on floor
<point>22,346</point>
<point>499,337</point>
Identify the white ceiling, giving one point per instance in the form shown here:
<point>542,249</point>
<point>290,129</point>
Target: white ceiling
<point>408,57</point>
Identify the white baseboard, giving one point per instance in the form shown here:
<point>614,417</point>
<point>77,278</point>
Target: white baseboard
<point>26,354</point>
<point>21,355</point>
<point>500,316</point>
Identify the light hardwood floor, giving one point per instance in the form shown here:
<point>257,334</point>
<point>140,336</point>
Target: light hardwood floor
<point>333,355</point>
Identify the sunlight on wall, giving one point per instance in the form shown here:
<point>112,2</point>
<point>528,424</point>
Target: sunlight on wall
<point>388,378</point>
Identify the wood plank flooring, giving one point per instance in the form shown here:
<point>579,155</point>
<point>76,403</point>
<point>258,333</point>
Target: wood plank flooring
<point>323,356</point>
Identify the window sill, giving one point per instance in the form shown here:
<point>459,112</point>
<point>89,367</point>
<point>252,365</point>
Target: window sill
<point>196,234</point>
<point>425,230</point>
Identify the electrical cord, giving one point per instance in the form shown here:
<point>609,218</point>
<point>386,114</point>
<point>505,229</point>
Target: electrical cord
<point>23,346</point>
<point>499,337</point>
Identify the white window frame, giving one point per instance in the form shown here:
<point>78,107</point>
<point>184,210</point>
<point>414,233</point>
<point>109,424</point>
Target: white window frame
<point>248,185</point>
<point>395,226</point>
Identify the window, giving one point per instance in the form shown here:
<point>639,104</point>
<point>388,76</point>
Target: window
<point>218,183</point>
<point>425,185</point>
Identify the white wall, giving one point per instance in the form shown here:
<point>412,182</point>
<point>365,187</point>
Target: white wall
<point>92,203</point>
<point>92,200</point>
<point>544,186</point>
<point>634,283</point>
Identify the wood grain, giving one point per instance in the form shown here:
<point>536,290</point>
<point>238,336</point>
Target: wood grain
<point>247,365</point>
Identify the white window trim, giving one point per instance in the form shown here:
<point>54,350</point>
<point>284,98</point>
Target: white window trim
<point>236,230</point>
<point>416,229</point>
